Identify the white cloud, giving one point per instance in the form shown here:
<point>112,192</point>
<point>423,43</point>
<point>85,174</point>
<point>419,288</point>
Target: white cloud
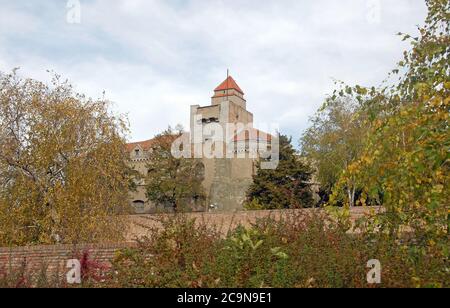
<point>154,58</point>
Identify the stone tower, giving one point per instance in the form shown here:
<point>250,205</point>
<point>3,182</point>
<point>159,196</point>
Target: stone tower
<point>226,178</point>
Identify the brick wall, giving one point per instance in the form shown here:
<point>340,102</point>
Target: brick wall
<point>140,225</point>
<point>55,257</point>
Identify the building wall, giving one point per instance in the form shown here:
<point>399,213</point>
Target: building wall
<point>138,199</point>
<point>237,114</point>
<point>229,184</point>
<point>227,179</point>
<point>209,112</point>
<point>229,95</point>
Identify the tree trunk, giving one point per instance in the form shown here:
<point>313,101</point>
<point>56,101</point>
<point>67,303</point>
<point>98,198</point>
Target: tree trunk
<point>351,196</point>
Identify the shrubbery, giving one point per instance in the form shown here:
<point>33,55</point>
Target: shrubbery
<point>297,250</point>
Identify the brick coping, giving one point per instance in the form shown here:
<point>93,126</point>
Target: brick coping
<point>66,247</point>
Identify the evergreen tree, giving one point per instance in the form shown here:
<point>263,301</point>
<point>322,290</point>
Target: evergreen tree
<point>287,186</point>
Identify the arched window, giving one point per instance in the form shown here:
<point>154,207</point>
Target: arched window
<point>151,171</point>
<point>199,171</point>
<point>139,205</point>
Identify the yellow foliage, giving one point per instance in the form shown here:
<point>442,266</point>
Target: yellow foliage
<point>62,166</point>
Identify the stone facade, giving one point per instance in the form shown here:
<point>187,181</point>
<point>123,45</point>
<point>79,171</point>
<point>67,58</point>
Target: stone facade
<point>222,135</point>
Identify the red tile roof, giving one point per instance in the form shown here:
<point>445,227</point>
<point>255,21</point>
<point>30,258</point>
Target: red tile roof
<point>229,84</point>
<point>148,144</point>
<point>145,145</point>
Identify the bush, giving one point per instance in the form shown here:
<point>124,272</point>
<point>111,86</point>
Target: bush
<point>179,254</point>
<point>296,250</point>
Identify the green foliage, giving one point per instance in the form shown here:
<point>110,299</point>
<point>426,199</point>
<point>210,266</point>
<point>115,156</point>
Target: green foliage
<point>336,138</point>
<point>171,181</point>
<point>176,255</point>
<point>405,161</point>
<point>288,186</point>
<point>296,250</point>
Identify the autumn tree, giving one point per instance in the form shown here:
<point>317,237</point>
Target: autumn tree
<point>63,176</point>
<point>405,162</point>
<point>286,187</point>
<point>335,139</point>
<point>174,182</point>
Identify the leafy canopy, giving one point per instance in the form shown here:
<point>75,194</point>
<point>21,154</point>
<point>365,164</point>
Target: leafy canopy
<point>63,175</point>
<point>173,182</point>
<point>405,162</point>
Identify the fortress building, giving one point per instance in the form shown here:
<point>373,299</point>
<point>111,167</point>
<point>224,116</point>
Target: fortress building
<point>223,137</point>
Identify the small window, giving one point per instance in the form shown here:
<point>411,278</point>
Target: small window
<point>137,153</point>
<point>139,205</point>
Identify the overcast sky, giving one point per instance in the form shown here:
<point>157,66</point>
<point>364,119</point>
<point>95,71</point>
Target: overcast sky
<point>155,58</point>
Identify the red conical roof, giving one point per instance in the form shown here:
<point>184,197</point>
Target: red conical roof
<point>229,84</point>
